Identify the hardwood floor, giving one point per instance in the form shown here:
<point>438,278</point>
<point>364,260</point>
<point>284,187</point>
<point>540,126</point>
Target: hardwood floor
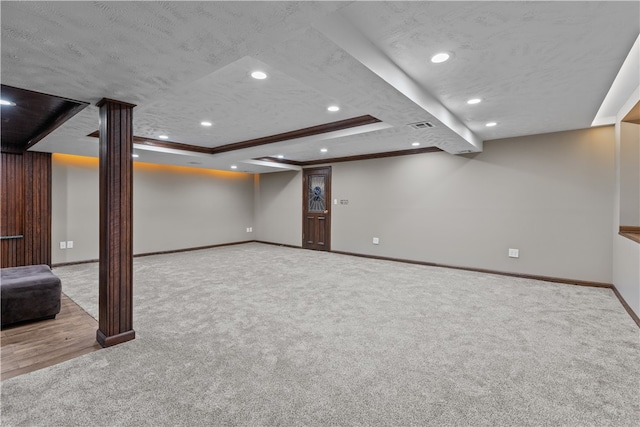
<point>32,346</point>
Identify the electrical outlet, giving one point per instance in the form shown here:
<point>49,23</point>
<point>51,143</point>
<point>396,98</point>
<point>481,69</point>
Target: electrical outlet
<point>70,244</point>
<point>249,229</point>
<point>63,245</point>
<point>514,253</point>
<point>376,241</point>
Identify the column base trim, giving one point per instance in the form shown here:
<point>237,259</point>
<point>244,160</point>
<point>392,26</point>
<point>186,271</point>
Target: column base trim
<point>112,340</point>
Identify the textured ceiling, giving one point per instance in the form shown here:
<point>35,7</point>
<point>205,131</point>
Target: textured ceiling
<point>232,100</point>
<point>539,67</point>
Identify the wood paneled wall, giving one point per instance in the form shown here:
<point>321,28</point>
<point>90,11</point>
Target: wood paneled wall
<point>25,225</point>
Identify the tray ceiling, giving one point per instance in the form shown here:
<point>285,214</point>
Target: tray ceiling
<point>538,67</point>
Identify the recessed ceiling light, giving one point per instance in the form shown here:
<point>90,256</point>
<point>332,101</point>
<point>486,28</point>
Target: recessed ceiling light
<point>440,57</point>
<point>234,167</point>
<point>491,124</point>
<point>206,124</point>
<point>333,108</point>
<point>163,137</point>
<point>474,101</point>
<point>259,75</point>
<point>5,102</point>
<point>280,156</point>
<point>323,150</point>
<point>135,156</point>
<point>415,144</point>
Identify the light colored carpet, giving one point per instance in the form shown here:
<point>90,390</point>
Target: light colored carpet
<point>262,335</point>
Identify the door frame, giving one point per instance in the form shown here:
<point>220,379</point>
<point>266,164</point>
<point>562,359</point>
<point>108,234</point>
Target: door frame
<point>305,203</point>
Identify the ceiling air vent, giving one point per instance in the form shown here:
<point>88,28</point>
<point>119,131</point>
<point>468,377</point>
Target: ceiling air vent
<point>422,125</point>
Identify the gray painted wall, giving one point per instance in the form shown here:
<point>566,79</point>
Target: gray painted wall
<point>174,208</point>
<point>74,208</point>
<point>279,208</point>
<point>550,196</point>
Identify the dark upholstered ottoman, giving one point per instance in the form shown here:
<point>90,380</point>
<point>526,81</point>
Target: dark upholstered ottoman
<point>29,293</point>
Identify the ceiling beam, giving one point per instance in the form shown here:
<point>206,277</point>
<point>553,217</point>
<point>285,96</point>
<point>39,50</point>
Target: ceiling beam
<point>345,34</point>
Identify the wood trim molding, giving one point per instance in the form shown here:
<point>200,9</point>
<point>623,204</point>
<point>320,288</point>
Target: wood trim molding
<point>64,264</point>
<point>196,248</point>
<point>626,306</point>
<point>283,161</point>
<point>278,244</point>
<point>370,156</point>
<point>630,232</point>
<point>122,104</point>
<point>164,144</point>
<point>111,340</point>
<point>171,251</point>
<point>299,133</point>
<point>377,155</point>
<point>171,145</point>
<point>487,271</point>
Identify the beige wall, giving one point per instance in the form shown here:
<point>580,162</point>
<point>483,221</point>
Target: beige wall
<point>278,206</point>
<point>174,207</point>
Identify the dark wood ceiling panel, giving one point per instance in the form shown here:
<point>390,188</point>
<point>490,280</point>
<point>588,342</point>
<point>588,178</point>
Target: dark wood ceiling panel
<point>34,116</point>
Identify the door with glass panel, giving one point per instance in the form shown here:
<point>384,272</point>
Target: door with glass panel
<point>316,199</point>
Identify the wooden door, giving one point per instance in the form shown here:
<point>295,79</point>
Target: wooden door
<point>316,200</point>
